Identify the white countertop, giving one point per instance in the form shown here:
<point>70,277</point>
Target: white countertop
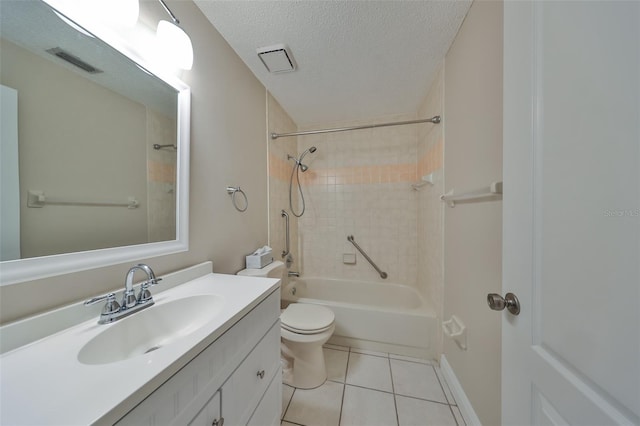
<point>44,383</point>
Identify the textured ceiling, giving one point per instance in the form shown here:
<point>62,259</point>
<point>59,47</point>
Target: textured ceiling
<point>356,59</point>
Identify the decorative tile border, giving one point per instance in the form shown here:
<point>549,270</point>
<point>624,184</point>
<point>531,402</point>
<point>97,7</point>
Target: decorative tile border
<point>161,172</point>
<point>432,160</point>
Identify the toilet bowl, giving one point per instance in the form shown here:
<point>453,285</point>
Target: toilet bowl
<point>304,328</point>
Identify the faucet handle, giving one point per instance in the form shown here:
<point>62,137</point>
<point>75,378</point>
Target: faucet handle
<point>145,295</point>
<point>110,307</point>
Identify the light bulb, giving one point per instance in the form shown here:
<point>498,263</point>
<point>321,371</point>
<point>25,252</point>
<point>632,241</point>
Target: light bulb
<point>175,43</point>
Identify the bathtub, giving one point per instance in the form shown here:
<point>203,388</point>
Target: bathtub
<point>383,317</point>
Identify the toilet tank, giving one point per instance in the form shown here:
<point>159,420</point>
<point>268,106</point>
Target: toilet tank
<point>275,269</point>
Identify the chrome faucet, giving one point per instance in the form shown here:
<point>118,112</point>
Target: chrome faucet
<point>129,299</point>
<point>293,274</point>
<point>113,311</point>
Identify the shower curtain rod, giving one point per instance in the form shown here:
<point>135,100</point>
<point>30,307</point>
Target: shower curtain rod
<point>435,120</point>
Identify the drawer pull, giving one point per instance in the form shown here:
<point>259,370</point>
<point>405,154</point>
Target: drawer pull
<point>260,374</point>
<point>217,422</point>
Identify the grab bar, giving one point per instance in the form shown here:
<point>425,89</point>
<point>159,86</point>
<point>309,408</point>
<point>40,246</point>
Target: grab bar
<point>38,199</point>
<point>284,214</point>
<point>383,275</point>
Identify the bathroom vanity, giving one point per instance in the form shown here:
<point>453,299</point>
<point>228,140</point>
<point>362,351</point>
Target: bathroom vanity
<point>212,357</point>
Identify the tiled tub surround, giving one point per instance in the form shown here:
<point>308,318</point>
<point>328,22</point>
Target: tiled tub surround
<point>431,146</point>
<point>373,388</point>
<point>279,172</point>
<point>358,183</point>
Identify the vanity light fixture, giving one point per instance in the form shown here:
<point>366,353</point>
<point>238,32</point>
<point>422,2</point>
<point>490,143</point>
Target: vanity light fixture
<point>174,40</point>
<point>122,13</point>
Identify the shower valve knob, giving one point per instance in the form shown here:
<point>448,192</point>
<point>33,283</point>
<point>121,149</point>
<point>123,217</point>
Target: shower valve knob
<point>498,303</point>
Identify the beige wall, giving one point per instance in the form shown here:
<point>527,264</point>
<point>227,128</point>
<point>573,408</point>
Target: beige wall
<point>228,147</point>
<point>70,150</point>
<point>473,158</point>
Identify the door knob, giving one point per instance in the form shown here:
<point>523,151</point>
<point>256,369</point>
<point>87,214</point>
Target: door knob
<point>498,303</point>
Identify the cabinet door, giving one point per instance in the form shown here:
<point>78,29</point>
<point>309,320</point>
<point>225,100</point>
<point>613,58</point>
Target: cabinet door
<point>270,407</point>
<point>210,413</point>
<point>245,388</point>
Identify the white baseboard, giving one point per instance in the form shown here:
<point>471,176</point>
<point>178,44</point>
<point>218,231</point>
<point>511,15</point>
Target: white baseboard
<point>466,409</point>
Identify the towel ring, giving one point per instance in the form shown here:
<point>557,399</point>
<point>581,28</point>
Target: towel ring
<point>233,191</point>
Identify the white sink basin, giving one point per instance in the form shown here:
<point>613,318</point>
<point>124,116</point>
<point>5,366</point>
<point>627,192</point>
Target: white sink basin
<point>150,329</point>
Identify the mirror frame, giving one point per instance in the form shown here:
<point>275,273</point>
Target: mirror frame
<point>21,270</point>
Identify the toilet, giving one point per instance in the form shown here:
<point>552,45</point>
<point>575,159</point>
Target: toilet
<point>304,328</point>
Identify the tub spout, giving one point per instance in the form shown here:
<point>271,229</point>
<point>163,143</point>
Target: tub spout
<point>293,274</point>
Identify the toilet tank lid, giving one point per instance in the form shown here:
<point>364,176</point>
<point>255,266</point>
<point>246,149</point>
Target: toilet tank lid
<point>262,272</point>
<point>303,316</point>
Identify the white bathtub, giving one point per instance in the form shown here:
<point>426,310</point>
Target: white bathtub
<point>377,316</point>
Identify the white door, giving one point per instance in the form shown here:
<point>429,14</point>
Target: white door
<point>571,247</point>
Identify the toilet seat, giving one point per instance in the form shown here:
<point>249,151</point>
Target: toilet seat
<point>302,318</point>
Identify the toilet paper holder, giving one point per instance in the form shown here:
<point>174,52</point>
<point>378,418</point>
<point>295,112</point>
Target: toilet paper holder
<point>456,330</point>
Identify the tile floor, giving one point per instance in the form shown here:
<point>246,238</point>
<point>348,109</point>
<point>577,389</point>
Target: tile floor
<point>372,388</point>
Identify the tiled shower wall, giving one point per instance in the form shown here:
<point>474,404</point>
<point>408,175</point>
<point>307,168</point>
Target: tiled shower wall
<point>359,183</point>
<point>430,207</point>
<point>161,177</point>
<point>279,172</point>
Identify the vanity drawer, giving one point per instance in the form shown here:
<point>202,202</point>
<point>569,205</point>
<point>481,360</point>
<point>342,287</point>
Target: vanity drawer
<point>269,411</point>
<point>210,414</point>
<point>245,388</point>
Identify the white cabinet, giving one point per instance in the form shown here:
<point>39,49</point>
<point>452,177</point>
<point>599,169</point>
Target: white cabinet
<point>237,377</point>
<point>210,414</point>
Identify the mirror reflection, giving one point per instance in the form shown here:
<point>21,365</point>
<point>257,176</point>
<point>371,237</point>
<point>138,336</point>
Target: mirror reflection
<point>79,125</point>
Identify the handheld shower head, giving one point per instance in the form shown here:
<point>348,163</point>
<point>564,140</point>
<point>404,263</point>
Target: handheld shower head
<point>296,172</point>
<point>310,150</point>
<point>303,167</point>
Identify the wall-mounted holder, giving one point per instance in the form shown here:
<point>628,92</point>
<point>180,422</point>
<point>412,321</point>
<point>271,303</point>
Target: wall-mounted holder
<point>456,330</point>
<point>233,190</point>
<point>489,193</point>
<point>349,258</point>
<point>429,179</point>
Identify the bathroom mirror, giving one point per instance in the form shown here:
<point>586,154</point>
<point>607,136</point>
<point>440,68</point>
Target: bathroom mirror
<point>82,184</point>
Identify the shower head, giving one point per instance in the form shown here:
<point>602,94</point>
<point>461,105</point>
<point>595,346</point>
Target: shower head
<point>303,167</point>
<point>310,150</point>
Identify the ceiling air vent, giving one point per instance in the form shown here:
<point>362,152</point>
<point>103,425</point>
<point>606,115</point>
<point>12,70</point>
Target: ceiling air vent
<point>277,58</point>
<point>73,60</point>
